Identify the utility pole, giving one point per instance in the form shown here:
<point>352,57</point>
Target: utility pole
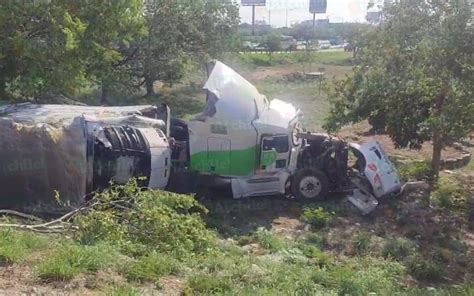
<point>286,21</point>
<point>253,20</point>
<point>314,20</point>
<point>269,17</point>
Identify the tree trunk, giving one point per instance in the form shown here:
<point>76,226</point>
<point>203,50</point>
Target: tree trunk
<point>436,158</point>
<point>150,90</point>
<point>104,99</point>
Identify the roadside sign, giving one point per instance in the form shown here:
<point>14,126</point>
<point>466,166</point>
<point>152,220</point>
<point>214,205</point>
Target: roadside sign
<point>318,6</point>
<point>253,2</point>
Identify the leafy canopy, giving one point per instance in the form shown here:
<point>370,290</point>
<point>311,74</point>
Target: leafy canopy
<point>414,74</point>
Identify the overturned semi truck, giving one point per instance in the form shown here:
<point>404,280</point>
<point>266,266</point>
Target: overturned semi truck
<point>242,140</point>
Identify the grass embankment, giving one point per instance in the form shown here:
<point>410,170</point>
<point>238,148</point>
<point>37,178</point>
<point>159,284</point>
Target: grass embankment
<point>139,242</point>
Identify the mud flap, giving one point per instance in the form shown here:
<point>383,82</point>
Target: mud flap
<point>365,202</point>
<point>361,197</point>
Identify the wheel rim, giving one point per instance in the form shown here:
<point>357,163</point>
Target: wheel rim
<point>310,187</point>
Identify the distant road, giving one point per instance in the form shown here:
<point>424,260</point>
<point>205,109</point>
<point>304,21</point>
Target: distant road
<point>279,52</point>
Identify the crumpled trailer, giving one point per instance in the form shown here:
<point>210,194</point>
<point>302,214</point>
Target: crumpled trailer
<point>74,150</point>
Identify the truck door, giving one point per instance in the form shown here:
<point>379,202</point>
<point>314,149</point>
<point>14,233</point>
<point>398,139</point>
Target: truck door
<point>218,155</point>
<point>274,154</point>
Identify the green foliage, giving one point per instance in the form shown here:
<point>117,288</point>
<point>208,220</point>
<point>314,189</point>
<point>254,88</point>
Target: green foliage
<point>316,239</point>
<point>124,290</point>
<point>151,267</point>
<point>207,284</point>
<point>398,248</point>
<point>425,269</point>
<point>450,194</point>
<point>419,170</point>
<point>15,246</point>
<point>361,242</point>
<point>319,257</point>
<point>317,217</point>
<point>268,240</point>
<point>413,77</point>
<point>70,259</point>
<point>166,222</point>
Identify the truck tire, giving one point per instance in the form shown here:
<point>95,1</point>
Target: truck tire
<point>310,184</point>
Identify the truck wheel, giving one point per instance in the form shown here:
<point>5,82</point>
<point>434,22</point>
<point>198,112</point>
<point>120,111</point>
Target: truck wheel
<point>310,184</point>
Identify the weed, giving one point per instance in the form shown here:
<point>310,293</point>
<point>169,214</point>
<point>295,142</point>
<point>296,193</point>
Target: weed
<point>124,290</point>
<point>316,239</point>
<point>72,259</point>
<point>207,284</point>
<point>398,248</point>
<point>150,268</point>
<point>268,240</point>
<point>361,242</point>
<point>318,217</point>
<point>318,257</point>
<point>425,269</point>
<point>420,170</point>
<point>449,194</point>
<point>15,246</point>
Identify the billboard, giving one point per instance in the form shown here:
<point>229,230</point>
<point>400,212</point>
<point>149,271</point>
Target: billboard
<point>253,2</point>
<point>318,6</point>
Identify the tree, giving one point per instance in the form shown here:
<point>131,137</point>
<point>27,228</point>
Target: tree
<point>414,76</point>
<point>272,44</point>
<point>37,50</point>
<point>180,31</point>
<point>53,47</point>
<point>106,44</point>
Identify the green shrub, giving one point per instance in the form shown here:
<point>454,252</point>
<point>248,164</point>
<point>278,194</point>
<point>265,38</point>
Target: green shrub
<point>449,194</point>
<point>124,290</point>
<point>316,239</point>
<point>361,242</point>
<point>15,246</point>
<point>207,284</point>
<point>150,268</point>
<point>363,275</point>
<point>164,221</point>
<point>425,269</point>
<point>317,217</point>
<point>268,240</point>
<point>420,170</point>
<point>398,248</point>
<point>318,257</point>
<point>71,259</point>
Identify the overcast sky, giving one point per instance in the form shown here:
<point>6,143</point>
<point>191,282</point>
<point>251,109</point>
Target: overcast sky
<point>338,11</point>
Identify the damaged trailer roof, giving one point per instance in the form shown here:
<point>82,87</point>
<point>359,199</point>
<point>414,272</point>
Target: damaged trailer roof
<point>44,150</point>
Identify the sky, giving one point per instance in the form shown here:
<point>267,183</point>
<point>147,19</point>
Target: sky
<point>298,10</point>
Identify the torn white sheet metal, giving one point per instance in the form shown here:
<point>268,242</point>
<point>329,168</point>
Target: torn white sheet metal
<point>379,170</point>
<point>363,201</point>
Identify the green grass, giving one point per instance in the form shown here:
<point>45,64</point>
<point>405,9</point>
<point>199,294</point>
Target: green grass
<point>150,268</point>
<point>398,248</point>
<point>16,246</point>
<point>71,259</point>
<point>321,57</point>
<point>268,240</point>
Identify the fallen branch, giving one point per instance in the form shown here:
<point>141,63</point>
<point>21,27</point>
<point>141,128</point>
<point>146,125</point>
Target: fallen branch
<point>21,215</point>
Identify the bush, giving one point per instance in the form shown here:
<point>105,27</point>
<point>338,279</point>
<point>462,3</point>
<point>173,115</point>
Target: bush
<point>269,241</point>
<point>318,257</point>
<point>424,269</point>
<point>398,248</point>
<point>15,246</point>
<point>449,194</point>
<point>157,220</point>
<point>420,170</point>
<point>318,217</point>
<point>207,284</point>
<point>361,242</point>
<point>150,268</point>
<point>72,259</point>
<point>363,275</point>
